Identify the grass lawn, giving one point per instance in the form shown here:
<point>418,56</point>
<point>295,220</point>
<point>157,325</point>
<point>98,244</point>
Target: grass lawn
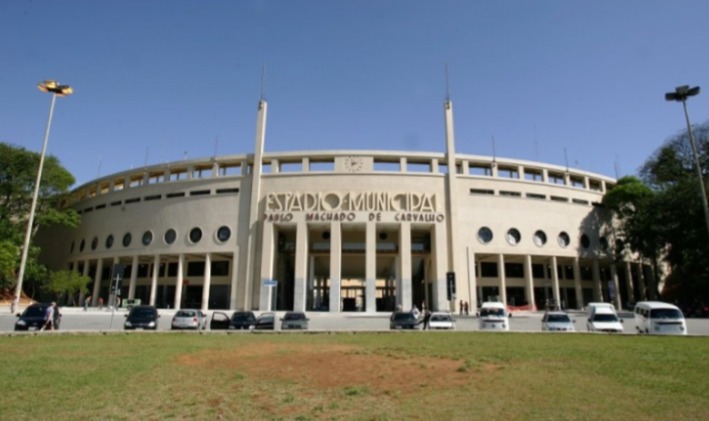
<point>363,376</point>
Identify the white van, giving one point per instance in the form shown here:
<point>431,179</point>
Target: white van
<point>603,318</point>
<point>494,316</point>
<point>658,318</point>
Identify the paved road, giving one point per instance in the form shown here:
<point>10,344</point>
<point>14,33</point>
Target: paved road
<point>74,319</point>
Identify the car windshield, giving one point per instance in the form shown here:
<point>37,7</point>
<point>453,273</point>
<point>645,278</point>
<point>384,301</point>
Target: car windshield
<point>294,316</point>
<point>492,312</point>
<point>665,313</point>
<point>183,313</point>
<point>605,318</point>
<point>238,317</point>
<point>266,318</point>
<point>440,318</point>
<point>403,316</point>
<point>558,318</point>
<point>142,312</point>
<point>34,311</point>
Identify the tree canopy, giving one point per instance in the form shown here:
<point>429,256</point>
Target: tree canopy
<point>661,214</point>
<point>18,173</point>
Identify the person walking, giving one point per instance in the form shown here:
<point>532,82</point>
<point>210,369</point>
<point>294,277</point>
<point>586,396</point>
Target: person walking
<point>49,317</point>
<point>426,318</point>
<point>462,307</point>
<point>56,317</point>
<point>87,301</point>
<point>100,303</point>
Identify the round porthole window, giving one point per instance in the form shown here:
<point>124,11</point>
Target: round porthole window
<point>484,235</point>
<point>127,238</point>
<point>223,233</point>
<point>585,241</point>
<point>147,238</point>
<point>71,248</point>
<point>513,236</point>
<point>170,236</point>
<point>564,239</point>
<point>604,243</point>
<point>94,243</point>
<point>82,245</point>
<point>195,235</point>
<point>109,241</point>
<point>540,238</point>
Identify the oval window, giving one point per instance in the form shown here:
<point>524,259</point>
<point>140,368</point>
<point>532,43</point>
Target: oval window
<point>170,236</point>
<point>564,239</point>
<point>195,235</point>
<point>94,243</point>
<point>540,238</point>
<point>484,235</point>
<point>147,238</point>
<point>82,245</point>
<point>127,238</point>
<point>223,233</point>
<point>585,241</point>
<point>513,236</point>
<point>109,241</point>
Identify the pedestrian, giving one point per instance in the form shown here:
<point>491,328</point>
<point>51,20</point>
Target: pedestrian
<point>100,303</point>
<point>56,317</point>
<point>462,307</point>
<point>87,301</point>
<point>466,308</point>
<point>426,318</point>
<point>118,301</point>
<point>49,317</point>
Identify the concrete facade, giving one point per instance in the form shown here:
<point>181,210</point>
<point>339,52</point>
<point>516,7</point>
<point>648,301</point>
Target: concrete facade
<point>363,231</point>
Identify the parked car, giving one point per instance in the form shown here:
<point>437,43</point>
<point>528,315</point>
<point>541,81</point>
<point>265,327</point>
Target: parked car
<point>494,316</point>
<point>403,320</point>
<point>266,321</point>
<point>189,319</point>
<point>658,318</point>
<point>603,318</point>
<point>557,321</point>
<point>294,320</point>
<point>32,318</point>
<point>440,320</point>
<point>142,317</point>
<point>239,320</point>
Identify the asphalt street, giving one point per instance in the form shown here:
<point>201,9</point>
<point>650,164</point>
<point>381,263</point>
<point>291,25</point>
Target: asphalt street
<point>75,319</point>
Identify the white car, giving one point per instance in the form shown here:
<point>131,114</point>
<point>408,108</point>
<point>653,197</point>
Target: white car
<point>602,319</point>
<point>441,320</point>
<point>189,319</point>
<point>494,316</point>
<point>557,321</point>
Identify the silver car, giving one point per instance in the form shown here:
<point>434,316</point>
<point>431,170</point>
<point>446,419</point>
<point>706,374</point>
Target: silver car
<point>557,321</point>
<point>189,319</point>
<point>294,320</point>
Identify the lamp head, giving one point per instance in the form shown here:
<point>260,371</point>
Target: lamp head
<point>54,87</point>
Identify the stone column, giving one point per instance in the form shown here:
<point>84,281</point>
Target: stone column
<point>618,299</point>
<point>267,253</point>
<point>180,280</point>
<point>555,281</point>
<point>630,285</point>
<point>154,279</point>
<point>301,266</point>
<point>133,277</point>
<point>335,265</point>
<point>440,293</point>
<point>405,262</point>
<point>641,281</point>
<point>577,284</point>
<point>97,281</point>
<point>529,284</point>
<point>473,283</point>
<point>503,278</point>
<point>207,281</point>
<point>370,272</point>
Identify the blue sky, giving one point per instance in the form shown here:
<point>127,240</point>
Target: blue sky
<point>159,80</point>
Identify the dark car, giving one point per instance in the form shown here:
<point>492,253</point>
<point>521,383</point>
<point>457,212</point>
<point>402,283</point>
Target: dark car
<point>142,317</point>
<point>240,320</point>
<point>32,318</point>
<point>265,321</point>
<point>403,320</point>
<point>294,320</point>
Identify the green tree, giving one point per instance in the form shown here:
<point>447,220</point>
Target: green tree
<point>18,172</point>
<point>66,282</point>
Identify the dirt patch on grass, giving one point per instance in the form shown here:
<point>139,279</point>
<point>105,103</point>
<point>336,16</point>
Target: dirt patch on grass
<point>335,366</point>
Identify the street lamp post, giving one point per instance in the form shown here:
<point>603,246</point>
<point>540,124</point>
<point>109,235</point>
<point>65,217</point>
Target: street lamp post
<point>681,94</point>
<point>55,89</point>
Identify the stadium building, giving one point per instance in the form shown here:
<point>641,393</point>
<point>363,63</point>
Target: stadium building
<point>341,231</point>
